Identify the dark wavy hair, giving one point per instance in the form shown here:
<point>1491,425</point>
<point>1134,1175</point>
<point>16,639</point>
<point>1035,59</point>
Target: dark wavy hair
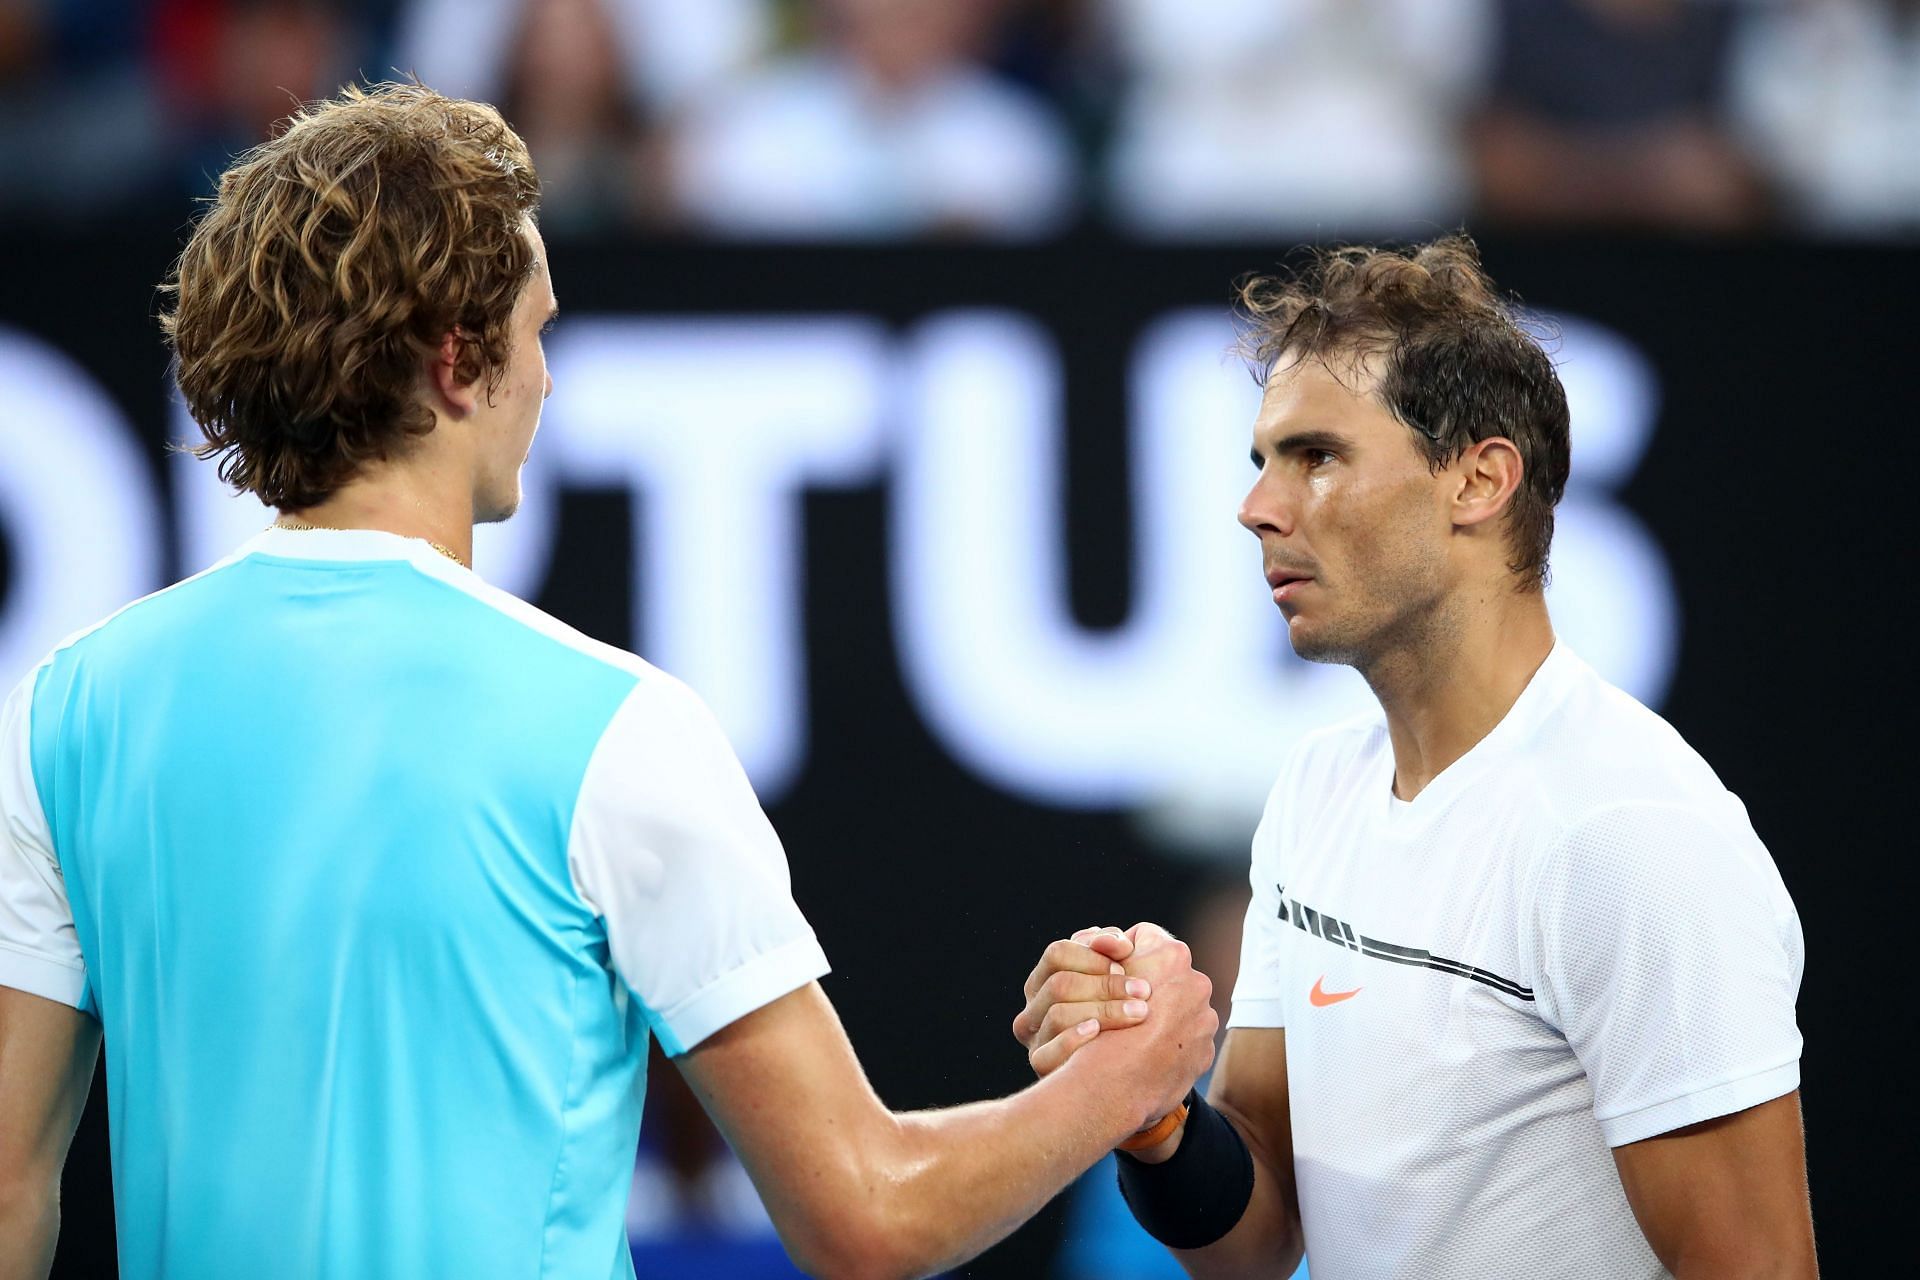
<point>1455,363</point>
<point>334,258</point>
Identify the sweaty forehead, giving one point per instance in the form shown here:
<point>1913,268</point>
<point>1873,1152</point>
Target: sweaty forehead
<point>1320,394</point>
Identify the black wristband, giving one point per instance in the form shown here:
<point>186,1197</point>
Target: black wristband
<point>1199,1194</point>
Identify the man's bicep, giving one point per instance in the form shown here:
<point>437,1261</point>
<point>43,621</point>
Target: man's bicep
<point>783,1085</point>
<point>47,1055</point>
<point>39,948</point>
<point>1726,1196</point>
<point>671,849</point>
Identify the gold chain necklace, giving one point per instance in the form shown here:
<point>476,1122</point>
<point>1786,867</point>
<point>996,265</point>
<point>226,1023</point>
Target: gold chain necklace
<point>293,522</point>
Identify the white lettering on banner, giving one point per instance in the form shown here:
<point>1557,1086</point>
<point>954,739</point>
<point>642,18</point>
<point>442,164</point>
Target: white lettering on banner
<point>1185,710</point>
<point>76,500</point>
<point>718,425</point>
<point>1022,693</point>
<point>1610,594</point>
<point>1190,707</point>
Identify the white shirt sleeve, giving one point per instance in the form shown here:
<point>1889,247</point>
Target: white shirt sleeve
<point>1669,955</point>
<point>670,847</point>
<point>39,950</point>
<point>1257,993</point>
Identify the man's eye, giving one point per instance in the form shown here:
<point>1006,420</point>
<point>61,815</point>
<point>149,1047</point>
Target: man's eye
<point>1318,457</point>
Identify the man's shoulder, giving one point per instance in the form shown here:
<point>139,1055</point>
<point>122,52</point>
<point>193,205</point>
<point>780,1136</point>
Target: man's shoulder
<point>122,630</point>
<point>1602,750</point>
<point>522,615</point>
<point>223,615</point>
<point>1609,792</point>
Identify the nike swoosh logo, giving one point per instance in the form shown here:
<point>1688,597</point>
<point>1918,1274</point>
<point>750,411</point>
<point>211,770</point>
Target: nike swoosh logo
<point>1321,997</point>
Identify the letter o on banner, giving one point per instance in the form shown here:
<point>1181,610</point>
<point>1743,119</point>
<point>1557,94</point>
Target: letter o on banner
<point>77,504</point>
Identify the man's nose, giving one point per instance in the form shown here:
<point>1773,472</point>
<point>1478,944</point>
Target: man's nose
<point>1264,508</point>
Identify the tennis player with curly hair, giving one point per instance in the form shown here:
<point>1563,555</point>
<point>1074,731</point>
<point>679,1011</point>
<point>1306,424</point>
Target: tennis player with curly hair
<point>378,880</point>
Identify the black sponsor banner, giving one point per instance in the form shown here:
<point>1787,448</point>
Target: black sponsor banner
<point>936,848</point>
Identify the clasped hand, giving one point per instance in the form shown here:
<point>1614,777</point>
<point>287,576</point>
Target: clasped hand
<point>1107,979</point>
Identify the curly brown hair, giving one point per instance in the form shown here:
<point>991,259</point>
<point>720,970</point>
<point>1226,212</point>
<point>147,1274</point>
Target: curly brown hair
<point>1455,363</point>
<point>334,258</point>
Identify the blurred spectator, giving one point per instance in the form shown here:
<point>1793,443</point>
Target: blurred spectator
<point>1609,111</point>
<point>566,92</point>
<point>230,70</point>
<point>667,50</point>
<point>890,128</point>
<point>1263,116</point>
<point>78,133</point>
<point>590,85</point>
<point>1829,93</point>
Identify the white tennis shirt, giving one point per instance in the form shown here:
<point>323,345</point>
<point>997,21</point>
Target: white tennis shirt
<point>1571,940</point>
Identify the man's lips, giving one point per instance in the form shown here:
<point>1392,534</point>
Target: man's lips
<point>1286,583</point>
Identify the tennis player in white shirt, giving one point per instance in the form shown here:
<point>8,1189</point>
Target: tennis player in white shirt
<point>1517,981</point>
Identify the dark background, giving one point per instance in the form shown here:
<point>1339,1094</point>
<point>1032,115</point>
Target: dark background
<point>1776,485</point>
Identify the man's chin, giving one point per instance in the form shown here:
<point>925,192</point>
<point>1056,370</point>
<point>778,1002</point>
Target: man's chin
<point>498,511</point>
<point>1310,645</point>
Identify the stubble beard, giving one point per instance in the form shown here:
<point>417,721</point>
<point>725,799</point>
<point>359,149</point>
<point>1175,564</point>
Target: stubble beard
<point>1399,618</point>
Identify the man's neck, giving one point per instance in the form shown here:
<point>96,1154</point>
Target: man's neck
<point>412,501</point>
<point>1446,692</point>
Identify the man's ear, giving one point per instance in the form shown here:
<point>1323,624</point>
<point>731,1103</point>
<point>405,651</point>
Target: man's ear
<point>455,396</point>
<point>1489,473</point>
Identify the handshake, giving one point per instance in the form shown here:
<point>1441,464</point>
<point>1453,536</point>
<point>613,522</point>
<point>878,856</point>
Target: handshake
<point>1142,984</point>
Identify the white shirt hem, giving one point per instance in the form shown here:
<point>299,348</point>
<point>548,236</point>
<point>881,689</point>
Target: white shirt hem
<point>42,976</point>
<point>755,984</point>
<point>1703,1104</point>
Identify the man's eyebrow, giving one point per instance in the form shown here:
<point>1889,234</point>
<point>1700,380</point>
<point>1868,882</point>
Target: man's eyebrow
<point>1302,441</point>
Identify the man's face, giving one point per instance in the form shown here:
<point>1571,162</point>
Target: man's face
<point>510,415</point>
<point>1354,527</point>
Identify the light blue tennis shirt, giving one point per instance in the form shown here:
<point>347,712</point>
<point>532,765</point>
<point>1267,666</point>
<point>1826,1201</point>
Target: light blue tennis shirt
<point>377,879</point>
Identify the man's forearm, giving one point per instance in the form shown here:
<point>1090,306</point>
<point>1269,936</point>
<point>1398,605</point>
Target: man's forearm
<point>29,1224</point>
<point>949,1184</point>
<point>1266,1241</point>
<point>858,1191</point>
<point>1264,1244</point>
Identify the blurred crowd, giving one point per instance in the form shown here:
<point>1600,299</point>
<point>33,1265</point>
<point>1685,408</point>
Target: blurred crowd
<point>1020,119</point>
